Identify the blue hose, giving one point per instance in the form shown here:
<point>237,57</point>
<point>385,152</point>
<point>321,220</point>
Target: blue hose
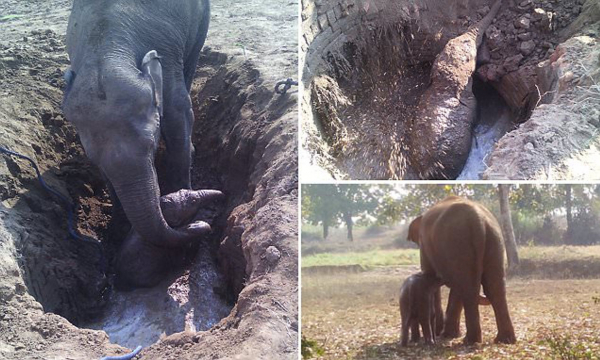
<point>129,356</point>
<point>67,204</point>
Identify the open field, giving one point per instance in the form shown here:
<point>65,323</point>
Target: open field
<point>356,316</point>
<point>563,260</point>
<point>365,239</point>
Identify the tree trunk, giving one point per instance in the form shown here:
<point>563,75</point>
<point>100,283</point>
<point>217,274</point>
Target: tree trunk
<point>349,224</point>
<point>507,227</point>
<point>569,205</point>
<point>325,229</point>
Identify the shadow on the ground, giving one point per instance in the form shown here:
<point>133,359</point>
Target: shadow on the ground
<point>392,350</point>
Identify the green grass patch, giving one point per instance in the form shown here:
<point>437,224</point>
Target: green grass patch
<point>563,347</point>
<point>393,257</point>
<point>366,258</point>
<point>310,348</point>
<point>559,253</point>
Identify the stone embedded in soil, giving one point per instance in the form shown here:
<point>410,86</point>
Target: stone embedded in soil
<point>525,36</point>
<point>483,11</point>
<point>273,255</point>
<point>490,72</point>
<point>527,47</point>
<point>538,14</point>
<point>522,23</point>
<point>547,23</point>
<point>494,38</point>
<point>525,4</point>
<point>512,63</point>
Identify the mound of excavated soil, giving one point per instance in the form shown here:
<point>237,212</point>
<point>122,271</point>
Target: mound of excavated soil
<point>365,67</point>
<point>560,140</point>
<point>237,297</point>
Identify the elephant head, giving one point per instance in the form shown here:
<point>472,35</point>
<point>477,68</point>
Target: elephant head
<point>116,105</point>
<point>414,230</point>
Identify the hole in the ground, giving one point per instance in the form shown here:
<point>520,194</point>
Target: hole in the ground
<point>494,119</point>
<point>365,108</point>
<point>65,275</point>
<point>370,82</point>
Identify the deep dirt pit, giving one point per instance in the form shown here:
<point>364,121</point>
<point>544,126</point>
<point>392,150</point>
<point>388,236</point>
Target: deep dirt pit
<point>366,67</point>
<point>237,294</point>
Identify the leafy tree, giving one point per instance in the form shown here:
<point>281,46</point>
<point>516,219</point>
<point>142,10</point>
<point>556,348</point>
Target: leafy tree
<point>319,207</point>
<point>330,204</point>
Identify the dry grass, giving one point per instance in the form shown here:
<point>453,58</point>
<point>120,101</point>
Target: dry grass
<point>356,316</point>
<point>365,239</point>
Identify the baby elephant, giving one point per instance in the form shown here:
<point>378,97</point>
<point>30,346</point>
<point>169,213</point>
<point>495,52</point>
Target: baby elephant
<point>143,264</point>
<point>418,296</point>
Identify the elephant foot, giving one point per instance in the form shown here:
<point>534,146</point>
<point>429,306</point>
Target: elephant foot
<point>473,340</point>
<point>508,338</point>
<point>451,333</point>
<point>429,342</point>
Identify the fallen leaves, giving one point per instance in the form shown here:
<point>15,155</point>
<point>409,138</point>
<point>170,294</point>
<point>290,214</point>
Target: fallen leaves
<point>553,319</point>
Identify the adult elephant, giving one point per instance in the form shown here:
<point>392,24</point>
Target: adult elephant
<point>132,65</point>
<point>461,243</point>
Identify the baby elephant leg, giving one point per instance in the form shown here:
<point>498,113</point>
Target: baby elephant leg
<point>414,329</point>
<point>180,207</point>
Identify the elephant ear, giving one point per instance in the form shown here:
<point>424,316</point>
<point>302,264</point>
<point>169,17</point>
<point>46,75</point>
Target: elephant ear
<point>414,229</point>
<point>152,68</point>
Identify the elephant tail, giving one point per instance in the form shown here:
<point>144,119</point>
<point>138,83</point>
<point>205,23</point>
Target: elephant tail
<point>479,237</point>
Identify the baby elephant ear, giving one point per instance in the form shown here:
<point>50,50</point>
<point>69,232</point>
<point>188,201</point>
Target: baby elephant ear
<point>151,67</point>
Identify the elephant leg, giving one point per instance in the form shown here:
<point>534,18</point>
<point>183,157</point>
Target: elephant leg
<point>425,321</point>
<point>453,312</point>
<point>404,333</point>
<point>176,129</point>
<point>179,208</point>
<point>439,314</point>
<point>495,290</point>
<point>414,329</point>
<point>470,301</point>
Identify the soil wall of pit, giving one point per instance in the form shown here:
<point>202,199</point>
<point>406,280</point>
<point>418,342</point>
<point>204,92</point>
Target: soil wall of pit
<point>410,32</point>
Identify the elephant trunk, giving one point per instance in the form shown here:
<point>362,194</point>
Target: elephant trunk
<point>138,191</point>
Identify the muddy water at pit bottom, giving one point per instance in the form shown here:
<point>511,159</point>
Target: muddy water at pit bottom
<point>485,137</point>
<point>183,303</point>
<point>494,120</point>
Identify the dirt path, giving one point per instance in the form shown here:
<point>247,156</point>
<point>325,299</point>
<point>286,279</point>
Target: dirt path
<point>245,135</point>
<point>356,316</point>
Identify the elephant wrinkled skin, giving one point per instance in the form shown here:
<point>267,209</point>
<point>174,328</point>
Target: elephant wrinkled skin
<point>142,264</point>
<point>461,243</point>
<point>132,65</point>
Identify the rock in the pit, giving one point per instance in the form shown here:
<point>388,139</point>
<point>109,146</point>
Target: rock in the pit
<point>494,37</point>
<point>512,63</point>
<point>527,47</point>
<point>490,72</point>
<point>273,255</point>
<point>538,14</point>
<point>547,23</point>
<point>522,23</point>
<point>483,11</point>
<point>525,36</point>
<point>526,4</point>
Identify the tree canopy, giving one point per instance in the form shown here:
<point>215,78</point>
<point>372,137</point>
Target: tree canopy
<point>546,213</point>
